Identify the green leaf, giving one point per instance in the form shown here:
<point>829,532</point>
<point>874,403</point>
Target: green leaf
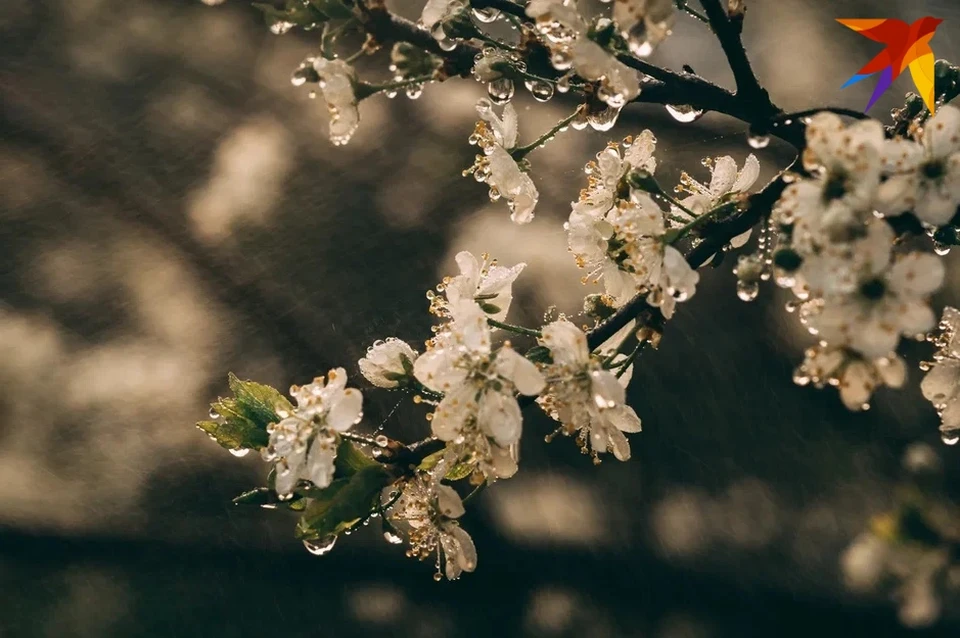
<point>244,417</point>
<point>350,459</point>
<point>459,471</point>
<point>234,434</point>
<point>489,308</point>
<point>343,503</point>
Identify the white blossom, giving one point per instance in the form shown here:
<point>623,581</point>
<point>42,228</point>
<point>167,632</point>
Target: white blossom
<point>618,83</point>
<point>941,385</point>
<point>479,415</point>
<point>426,512</point>
<point>889,299</point>
<point>337,79</point>
<point>304,443</point>
<point>626,249</point>
<point>854,376</point>
<point>644,23</point>
<point>834,205</point>
<point>485,282</point>
<point>564,32</point>
<point>387,362</point>
<point>497,136</point>
<point>924,177</point>
<point>587,399</point>
<point>612,164</point>
<point>726,183</point>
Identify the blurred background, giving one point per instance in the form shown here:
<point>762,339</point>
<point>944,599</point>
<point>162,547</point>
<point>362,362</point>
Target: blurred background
<point>171,209</point>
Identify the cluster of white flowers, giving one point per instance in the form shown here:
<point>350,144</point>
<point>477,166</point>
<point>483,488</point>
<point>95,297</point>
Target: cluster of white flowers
<point>617,233</point>
<point>304,443</point>
<point>497,137</point>
<point>857,294</point>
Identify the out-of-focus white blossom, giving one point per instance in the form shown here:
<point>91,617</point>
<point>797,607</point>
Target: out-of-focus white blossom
<point>587,399</point>
<point>497,136</point>
<point>924,177</point>
<point>855,377</point>
<point>618,83</point>
<point>644,23</point>
<point>427,512</point>
<point>479,416</point>
<point>941,385</point>
<point>337,79</point>
<point>834,205</point>
<point>889,299</point>
<point>304,443</point>
<point>480,280</point>
<point>387,362</point>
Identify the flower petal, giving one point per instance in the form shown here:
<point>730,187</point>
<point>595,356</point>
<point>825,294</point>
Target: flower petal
<point>520,370</point>
<point>346,411</point>
<point>499,417</point>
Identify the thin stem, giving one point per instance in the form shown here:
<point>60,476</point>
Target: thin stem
<point>679,233</point>
<point>474,492</point>
<point>624,365</point>
<point>520,330</point>
<point>521,151</point>
<point>483,37</point>
<point>365,90</point>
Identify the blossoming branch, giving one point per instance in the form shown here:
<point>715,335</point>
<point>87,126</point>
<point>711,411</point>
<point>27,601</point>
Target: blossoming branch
<point>831,228</point>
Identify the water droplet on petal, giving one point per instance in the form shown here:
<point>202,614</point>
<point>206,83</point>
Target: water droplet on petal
<point>214,414</point>
<point>240,452</point>
<point>941,249</point>
<point>950,437</point>
<point>322,546</point>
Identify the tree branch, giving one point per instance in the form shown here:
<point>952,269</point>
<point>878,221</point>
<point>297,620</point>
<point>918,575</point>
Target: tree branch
<point>728,33</point>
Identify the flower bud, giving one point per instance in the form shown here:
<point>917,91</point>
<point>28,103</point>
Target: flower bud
<point>388,364</point>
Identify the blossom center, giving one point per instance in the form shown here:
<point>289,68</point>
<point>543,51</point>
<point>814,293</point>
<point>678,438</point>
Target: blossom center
<point>836,186</point>
<point>873,289</point>
<point>934,169</point>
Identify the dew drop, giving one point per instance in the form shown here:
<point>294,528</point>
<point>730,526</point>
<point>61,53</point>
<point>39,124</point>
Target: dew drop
<point>214,414</point>
<point>601,120</point>
<point>950,437</point>
<point>437,576</point>
<point>747,290</point>
<point>941,249</point>
<point>500,90</point>
<point>322,546</point>
<point>684,113</point>
<point>758,141</point>
<point>280,27</point>
<point>563,84</point>
<point>540,90</point>
<point>240,452</point>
